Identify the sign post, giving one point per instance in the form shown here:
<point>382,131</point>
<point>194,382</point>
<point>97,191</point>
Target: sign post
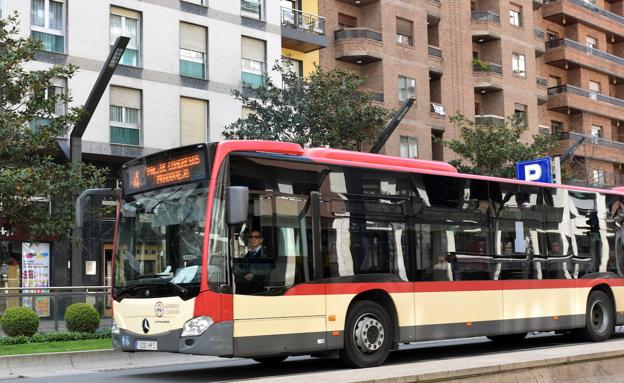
<point>537,170</point>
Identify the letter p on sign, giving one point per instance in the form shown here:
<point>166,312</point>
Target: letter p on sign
<point>532,172</point>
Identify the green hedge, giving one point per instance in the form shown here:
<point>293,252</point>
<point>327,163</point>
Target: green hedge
<point>55,337</point>
<point>82,317</point>
<point>19,321</point>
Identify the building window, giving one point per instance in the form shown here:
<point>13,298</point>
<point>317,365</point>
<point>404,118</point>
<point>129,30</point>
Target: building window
<point>295,66</point>
<point>520,113</point>
<point>404,31</point>
<point>552,35</point>
<point>515,15</point>
<point>3,9</point>
<point>125,116</point>
<point>596,131</point>
<point>125,22</point>
<point>409,147</point>
<point>556,128</point>
<point>407,88</point>
<point>346,21</point>
<point>56,88</point>
<point>252,9</point>
<point>600,177</point>
<point>47,21</point>
<point>253,62</point>
<point>518,64</point>
<point>192,50</point>
<point>591,42</point>
<point>193,121</point>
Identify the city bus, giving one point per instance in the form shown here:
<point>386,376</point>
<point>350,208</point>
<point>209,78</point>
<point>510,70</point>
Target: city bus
<point>265,250</point>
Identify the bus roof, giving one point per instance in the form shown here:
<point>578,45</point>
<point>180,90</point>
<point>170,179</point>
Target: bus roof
<point>381,161</point>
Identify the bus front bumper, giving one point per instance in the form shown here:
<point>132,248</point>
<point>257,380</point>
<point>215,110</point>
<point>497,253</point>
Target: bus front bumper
<point>217,340</point>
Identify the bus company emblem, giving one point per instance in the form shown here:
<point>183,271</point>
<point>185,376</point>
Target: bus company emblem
<point>146,326</point>
<point>159,309</point>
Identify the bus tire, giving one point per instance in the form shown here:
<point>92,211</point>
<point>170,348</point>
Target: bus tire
<point>508,339</point>
<point>269,360</point>
<point>368,335</point>
<point>599,318</point>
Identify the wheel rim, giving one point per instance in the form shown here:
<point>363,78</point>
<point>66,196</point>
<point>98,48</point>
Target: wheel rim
<point>599,316</point>
<point>368,333</point>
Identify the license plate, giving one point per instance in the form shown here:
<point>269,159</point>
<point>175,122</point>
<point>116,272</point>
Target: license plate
<point>146,345</point>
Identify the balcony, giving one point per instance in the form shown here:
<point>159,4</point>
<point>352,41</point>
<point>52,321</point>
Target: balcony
<point>568,54</point>
<point>485,26</point>
<point>302,31</point>
<point>488,77</point>
<point>566,12</point>
<point>572,99</point>
<point>593,147</point>
<point>358,45</point>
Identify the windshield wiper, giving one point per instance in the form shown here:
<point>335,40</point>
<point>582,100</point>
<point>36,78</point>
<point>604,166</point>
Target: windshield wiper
<point>153,282</point>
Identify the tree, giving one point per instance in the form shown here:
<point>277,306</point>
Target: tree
<point>326,108</point>
<point>494,150</point>
<point>36,190</point>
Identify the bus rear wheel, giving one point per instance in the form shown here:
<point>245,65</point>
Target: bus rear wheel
<point>368,335</point>
<point>269,360</point>
<point>508,338</point>
<point>599,318</point>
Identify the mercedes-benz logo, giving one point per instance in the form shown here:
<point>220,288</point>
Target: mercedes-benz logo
<point>146,326</point>
<point>159,309</point>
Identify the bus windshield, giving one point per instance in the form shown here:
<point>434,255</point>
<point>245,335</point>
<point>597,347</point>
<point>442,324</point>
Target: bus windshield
<point>159,246</point>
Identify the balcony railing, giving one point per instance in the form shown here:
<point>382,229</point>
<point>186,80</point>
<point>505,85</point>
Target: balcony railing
<point>593,8</point>
<point>541,81</point>
<point>485,16</point>
<point>357,33</point>
<point>487,67</point>
<point>591,140</point>
<point>490,120</point>
<point>303,21</point>
<point>435,51</point>
<point>585,49</point>
<point>540,34</point>
<point>585,93</point>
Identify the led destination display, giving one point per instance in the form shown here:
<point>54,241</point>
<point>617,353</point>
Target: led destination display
<point>166,170</point>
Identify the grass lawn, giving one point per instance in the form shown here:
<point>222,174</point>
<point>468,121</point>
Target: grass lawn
<point>73,345</point>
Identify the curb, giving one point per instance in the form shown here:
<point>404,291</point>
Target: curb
<point>15,366</point>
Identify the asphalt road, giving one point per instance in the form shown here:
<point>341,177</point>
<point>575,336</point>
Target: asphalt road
<point>233,370</point>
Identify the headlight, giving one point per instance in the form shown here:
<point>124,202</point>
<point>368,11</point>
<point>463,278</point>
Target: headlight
<point>196,326</point>
<point>115,327</point>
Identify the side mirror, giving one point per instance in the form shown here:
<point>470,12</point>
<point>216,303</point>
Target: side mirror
<point>237,204</point>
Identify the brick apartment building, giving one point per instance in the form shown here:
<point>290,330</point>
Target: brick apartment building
<point>558,64</point>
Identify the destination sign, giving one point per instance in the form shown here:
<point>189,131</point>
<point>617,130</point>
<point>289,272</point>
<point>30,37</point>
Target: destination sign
<point>168,170</point>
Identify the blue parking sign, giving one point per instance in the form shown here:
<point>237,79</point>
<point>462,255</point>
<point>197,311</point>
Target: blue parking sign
<point>537,170</point>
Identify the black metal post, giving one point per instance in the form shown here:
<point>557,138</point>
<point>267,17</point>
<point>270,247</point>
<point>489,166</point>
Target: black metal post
<point>389,129</point>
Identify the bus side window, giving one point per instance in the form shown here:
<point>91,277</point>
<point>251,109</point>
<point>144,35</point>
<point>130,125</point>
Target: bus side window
<point>615,233</point>
<point>363,225</point>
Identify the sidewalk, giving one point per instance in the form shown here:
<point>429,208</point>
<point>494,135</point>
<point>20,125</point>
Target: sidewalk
<point>60,363</point>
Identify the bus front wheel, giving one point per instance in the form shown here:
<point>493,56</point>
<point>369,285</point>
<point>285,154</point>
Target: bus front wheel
<point>599,318</point>
<point>368,335</point>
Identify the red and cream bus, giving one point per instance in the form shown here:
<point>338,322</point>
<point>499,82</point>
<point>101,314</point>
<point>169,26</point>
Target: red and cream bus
<point>264,250</point>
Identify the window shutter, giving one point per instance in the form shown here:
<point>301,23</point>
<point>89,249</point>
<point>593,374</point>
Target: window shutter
<point>125,12</point>
<point>403,27</point>
<point>253,49</point>
<point>193,37</point>
<point>193,121</point>
<point>130,98</point>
